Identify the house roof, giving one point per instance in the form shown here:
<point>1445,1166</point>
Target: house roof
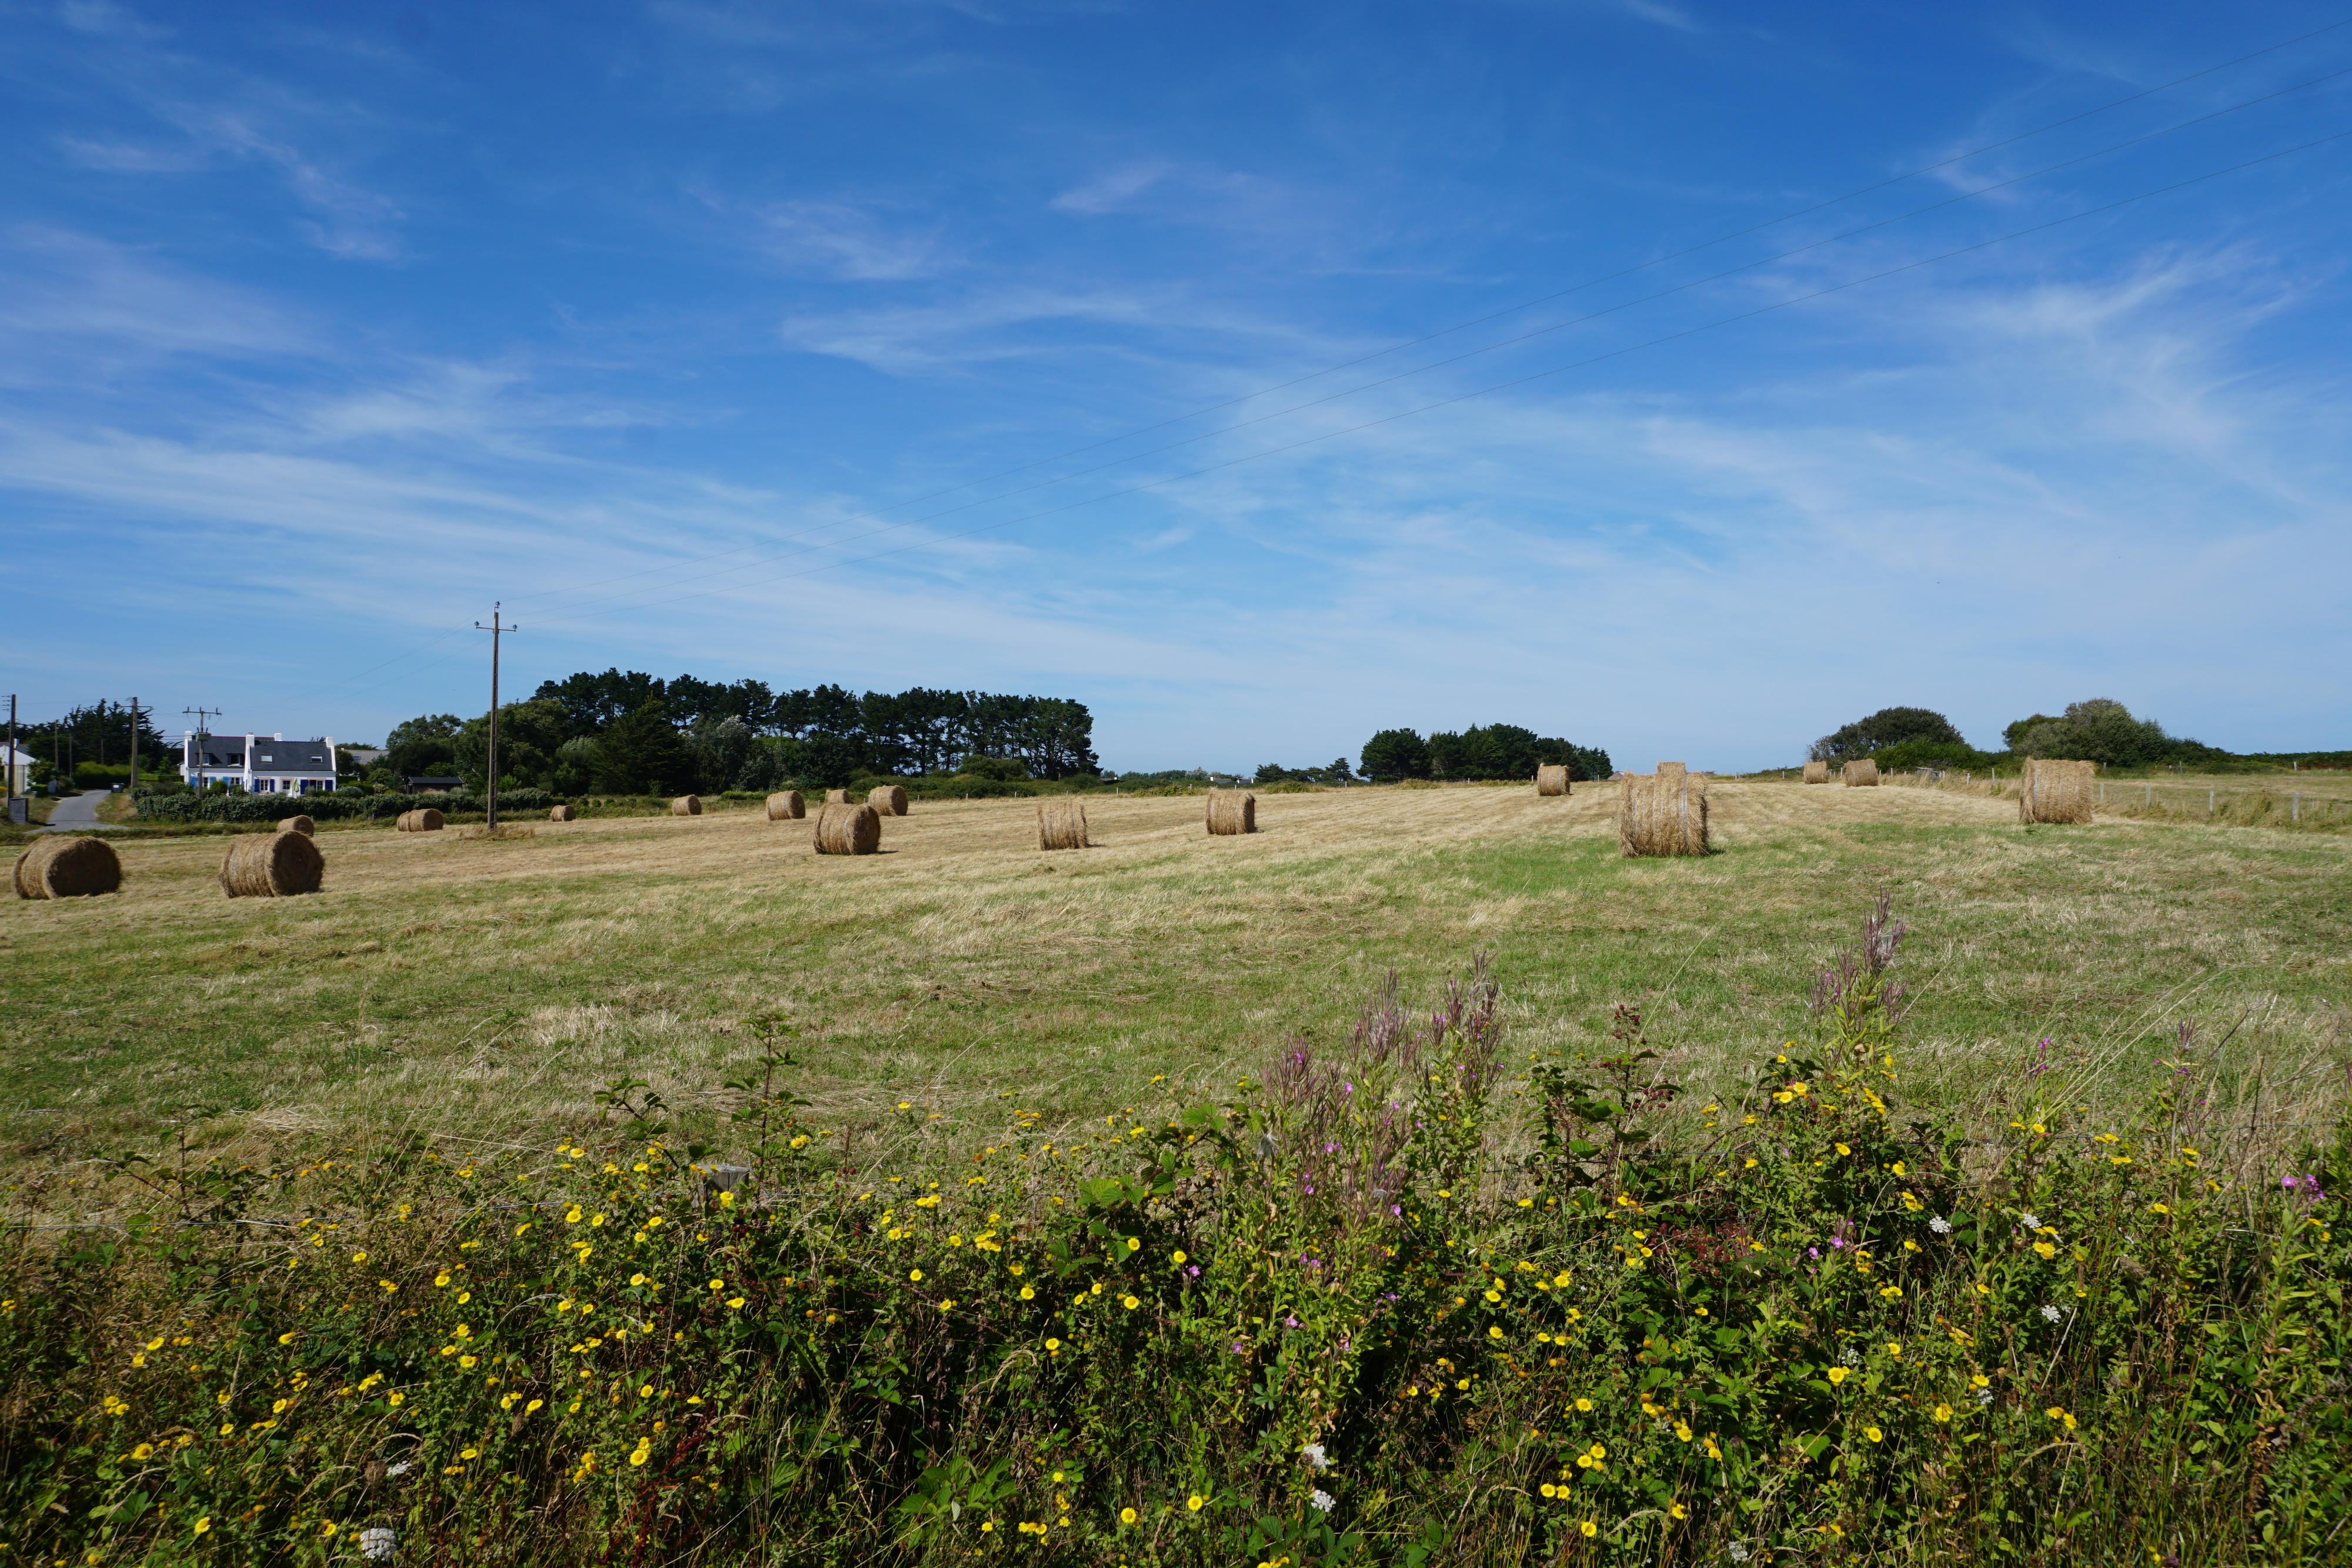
<point>266,756</point>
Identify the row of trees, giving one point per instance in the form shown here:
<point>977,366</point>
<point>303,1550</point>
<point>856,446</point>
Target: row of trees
<point>627,733</point>
<point>91,746</point>
<point>2099,729</point>
<point>1482,752</point>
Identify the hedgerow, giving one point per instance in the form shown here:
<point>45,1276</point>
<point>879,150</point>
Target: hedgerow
<point>1352,1310</point>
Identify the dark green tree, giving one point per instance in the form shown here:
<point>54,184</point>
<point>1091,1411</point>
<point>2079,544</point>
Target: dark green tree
<point>1887,727</point>
<point>718,748</point>
<point>529,735</point>
<point>829,761</point>
<point>1394,754</point>
<point>591,702</point>
<point>423,746</point>
<point>639,753</point>
<point>95,741</point>
<point>2013,732</point>
<point>2101,730</point>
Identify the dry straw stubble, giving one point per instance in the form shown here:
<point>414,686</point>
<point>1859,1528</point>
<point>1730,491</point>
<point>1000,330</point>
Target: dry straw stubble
<point>1062,825</point>
<point>687,806</point>
<point>1660,814</point>
<point>2051,790</point>
<point>1817,772</point>
<point>1552,778</point>
<point>1232,811</point>
<point>842,828</point>
<point>786,806</point>
<point>298,825</point>
<point>1862,774</point>
<point>890,799</point>
<point>271,865</point>
<point>62,866</point>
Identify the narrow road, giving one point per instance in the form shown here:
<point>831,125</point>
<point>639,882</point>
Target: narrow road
<point>79,813</point>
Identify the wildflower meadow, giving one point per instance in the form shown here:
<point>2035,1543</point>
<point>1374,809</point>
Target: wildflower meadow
<point>1412,1296</point>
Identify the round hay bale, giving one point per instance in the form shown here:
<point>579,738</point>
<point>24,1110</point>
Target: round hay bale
<point>1660,814</point>
<point>1817,772</point>
<point>1062,825</point>
<point>836,797</point>
<point>2051,791</point>
<point>1862,774</point>
<point>424,820</point>
<point>563,814</point>
<point>890,799</point>
<point>298,825</point>
<point>786,806</point>
<point>1552,778</point>
<point>271,865</point>
<point>1671,769</point>
<point>687,806</point>
<point>842,828</point>
<point>1232,811</point>
<point>63,865</point>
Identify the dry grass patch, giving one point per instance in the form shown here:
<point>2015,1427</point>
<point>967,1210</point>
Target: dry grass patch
<point>475,986</point>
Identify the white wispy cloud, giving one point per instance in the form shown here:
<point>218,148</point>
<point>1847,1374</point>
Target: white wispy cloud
<point>994,322</point>
<point>96,298</point>
<point>840,239</point>
<point>207,119</point>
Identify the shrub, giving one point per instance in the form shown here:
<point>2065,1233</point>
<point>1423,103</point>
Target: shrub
<point>1334,1315</point>
<point>1925,753</point>
<point>1888,727</point>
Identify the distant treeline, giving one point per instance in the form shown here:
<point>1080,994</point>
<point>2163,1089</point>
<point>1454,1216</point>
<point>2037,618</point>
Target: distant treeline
<point>1482,752</point>
<point>626,732</point>
<point>91,746</point>
<point>2098,729</point>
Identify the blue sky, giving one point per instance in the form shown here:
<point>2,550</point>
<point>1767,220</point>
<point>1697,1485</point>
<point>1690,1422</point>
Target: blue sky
<point>875,343</point>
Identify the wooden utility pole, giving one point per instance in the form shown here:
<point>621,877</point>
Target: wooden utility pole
<point>10,768</point>
<point>132,789</point>
<point>490,773</point>
<point>201,713</point>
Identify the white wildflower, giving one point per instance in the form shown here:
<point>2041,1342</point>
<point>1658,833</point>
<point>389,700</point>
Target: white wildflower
<point>2031,1221</point>
<point>1850,1356</point>
<point>1940,1226</point>
<point>1314,1455</point>
<point>1740,1551</point>
<point>401,1468</point>
<point>1984,1395</point>
<point>2050,1312</point>
<point>1322,1501</point>
<point>376,1543</point>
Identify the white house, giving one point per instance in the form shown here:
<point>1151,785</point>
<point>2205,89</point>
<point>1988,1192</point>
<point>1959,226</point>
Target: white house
<point>19,763</point>
<point>258,764</point>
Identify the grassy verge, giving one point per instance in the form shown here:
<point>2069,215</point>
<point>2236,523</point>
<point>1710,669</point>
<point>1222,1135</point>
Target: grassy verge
<point>1326,1316</point>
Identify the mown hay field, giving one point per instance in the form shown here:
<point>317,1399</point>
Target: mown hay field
<point>470,987</point>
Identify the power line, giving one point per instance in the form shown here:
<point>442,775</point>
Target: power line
<point>1506,310</point>
<point>1475,353</point>
<point>1522,380</point>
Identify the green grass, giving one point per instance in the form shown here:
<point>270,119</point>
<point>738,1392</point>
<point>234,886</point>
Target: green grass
<point>466,987</point>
